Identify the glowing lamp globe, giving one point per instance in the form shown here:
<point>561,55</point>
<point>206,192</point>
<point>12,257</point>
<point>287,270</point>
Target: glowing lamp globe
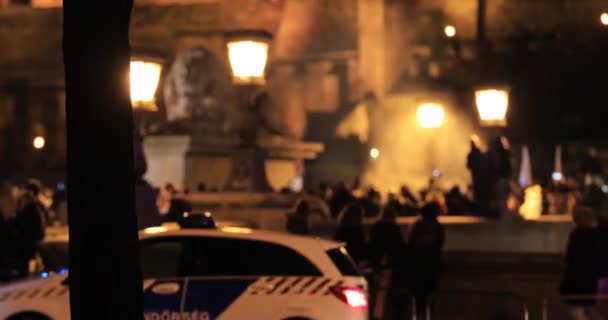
<point>430,115</point>
<point>39,142</point>
<point>450,31</point>
<point>248,55</point>
<point>144,76</point>
<point>374,153</point>
<point>492,105</point>
<point>604,18</point>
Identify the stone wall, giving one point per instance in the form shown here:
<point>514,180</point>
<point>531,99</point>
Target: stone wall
<point>549,235</point>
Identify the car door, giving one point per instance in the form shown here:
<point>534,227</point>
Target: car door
<point>243,279</point>
<point>163,270</point>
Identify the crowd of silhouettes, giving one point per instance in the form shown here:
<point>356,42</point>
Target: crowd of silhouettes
<point>23,228</point>
<point>399,263</point>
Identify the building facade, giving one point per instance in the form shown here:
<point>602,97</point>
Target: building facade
<point>347,73</point>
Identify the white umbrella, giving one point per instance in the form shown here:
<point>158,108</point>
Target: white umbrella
<point>525,170</point>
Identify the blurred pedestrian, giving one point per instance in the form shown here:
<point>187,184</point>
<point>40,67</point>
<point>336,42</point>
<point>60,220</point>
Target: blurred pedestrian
<point>147,212</point>
<point>500,156</point>
<point>340,198</point>
<point>298,221</point>
<point>388,256</point>
<point>586,261</point>
<point>350,231</point>
<point>371,203</point>
<point>6,249</point>
<point>393,201</point>
<point>171,206</point>
<point>426,244</point>
<point>479,164</point>
<point>410,203</point>
<point>146,195</point>
<point>457,203</point>
<point>60,206</point>
<point>28,224</point>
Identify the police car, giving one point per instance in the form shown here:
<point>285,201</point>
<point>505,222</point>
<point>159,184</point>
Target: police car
<point>199,271</point>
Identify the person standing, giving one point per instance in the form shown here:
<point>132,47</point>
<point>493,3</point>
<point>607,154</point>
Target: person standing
<point>586,262</point>
<point>298,221</point>
<point>341,197</point>
<point>5,249</point>
<point>28,225</point>
<point>426,245</point>
<point>479,165</point>
<point>350,231</point>
<point>171,207</point>
<point>146,195</point>
<point>388,256</point>
<point>500,156</point>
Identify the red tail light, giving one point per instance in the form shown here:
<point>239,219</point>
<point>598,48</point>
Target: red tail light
<point>354,297</point>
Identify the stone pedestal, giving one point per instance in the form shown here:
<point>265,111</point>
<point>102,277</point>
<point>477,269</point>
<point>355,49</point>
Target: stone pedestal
<point>231,168</point>
<point>166,158</point>
<point>268,165</point>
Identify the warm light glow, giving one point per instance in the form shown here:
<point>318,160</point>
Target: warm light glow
<point>240,230</point>
<point>450,31</point>
<point>604,18</point>
<point>430,115</point>
<point>39,142</point>
<point>144,76</point>
<point>374,153</point>
<point>492,105</point>
<point>155,230</point>
<point>248,60</point>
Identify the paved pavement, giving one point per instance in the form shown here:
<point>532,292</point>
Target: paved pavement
<point>496,286</point>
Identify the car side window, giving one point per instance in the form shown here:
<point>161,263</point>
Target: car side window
<point>162,257</point>
<point>239,257</point>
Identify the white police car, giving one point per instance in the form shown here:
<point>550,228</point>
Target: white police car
<point>220,273</point>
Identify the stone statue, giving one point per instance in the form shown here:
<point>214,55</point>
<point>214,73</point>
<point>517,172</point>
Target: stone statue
<point>199,96</point>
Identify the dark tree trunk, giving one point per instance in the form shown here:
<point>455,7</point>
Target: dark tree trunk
<point>105,276</point>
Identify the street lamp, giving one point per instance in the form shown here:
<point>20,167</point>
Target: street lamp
<point>39,142</point>
<point>144,76</point>
<point>492,105</point>
<point>450,31</point>
<point>604,18</point>
<point>374,153</point>
<point>430,115</point>
<point>248,55</point>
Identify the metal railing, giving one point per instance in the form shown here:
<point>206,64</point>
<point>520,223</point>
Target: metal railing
<point>546,300</point>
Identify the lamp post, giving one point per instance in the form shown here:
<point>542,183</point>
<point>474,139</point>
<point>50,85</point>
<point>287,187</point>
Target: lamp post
<point>431,116</point>
<point>144,75</point>
<point>492,105</point>
<point>248,56</point>
<point>144,78</point>
<point>39,142</point>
